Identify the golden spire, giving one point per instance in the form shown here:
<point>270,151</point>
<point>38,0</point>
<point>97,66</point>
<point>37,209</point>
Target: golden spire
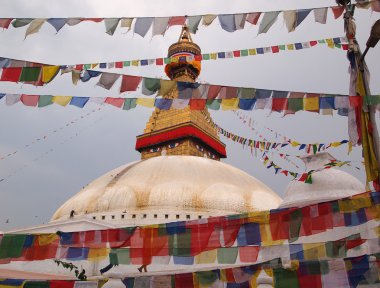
<point>181,131</point>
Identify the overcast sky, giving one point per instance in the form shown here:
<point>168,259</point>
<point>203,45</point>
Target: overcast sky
<point>40,178</point>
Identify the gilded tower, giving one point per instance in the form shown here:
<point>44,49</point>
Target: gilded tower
<point>181,131</point>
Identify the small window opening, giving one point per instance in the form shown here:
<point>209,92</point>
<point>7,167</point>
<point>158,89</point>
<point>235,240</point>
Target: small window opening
<point>166,216</point>
<point>177,216</point>
<point>94,217</point>
<point>113,216</point>
<point>144,215</point>
<point>200,217</point>
<point>187,216</point>
<point>133,216</point>
<point>122,216</point>
<point>155,216</point>
<point>103,217</point>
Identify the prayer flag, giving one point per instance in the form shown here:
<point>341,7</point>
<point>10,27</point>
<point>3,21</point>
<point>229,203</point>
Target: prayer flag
<point>253,18</point>
<point>30,74</point>
<point>29,100</point>
<point>268,20</point>
<point>5,22</point>
<point>34,26</point>
<point>107,80</point>
<point>61,100</point>
<point>290,18</point>
<point>230,104</point>
<point>49,72</point>
<point>111,25</point>
<point>208,19</point>
<point>176,20</point>
<point>146,102</point>
<point>117,102</point>
<point>57,23</point>
<point>160,24</point>
<point>45,100</point>
<point>301,15</point>
<point>142,25</point>
<point>194,23</point>
<point>11,74</point>
<point>320,15</point>
<point>129,83</point>
<point>130,103</point>
<point>79,101</point>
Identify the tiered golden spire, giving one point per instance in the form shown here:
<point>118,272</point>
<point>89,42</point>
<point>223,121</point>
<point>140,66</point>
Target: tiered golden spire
<point>181,131</point>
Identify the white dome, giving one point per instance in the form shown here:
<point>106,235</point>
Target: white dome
<point>328,185</point>
<point>172,183</point>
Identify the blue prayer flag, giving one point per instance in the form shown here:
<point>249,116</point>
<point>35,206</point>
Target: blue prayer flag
<point>79,101</point>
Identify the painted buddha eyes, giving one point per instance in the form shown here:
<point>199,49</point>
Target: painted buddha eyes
<point>200,148</point>
<point>157,149</point>
<point>173,145</point>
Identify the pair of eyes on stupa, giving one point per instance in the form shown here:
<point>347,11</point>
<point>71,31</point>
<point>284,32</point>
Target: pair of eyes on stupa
<point>170,146</point>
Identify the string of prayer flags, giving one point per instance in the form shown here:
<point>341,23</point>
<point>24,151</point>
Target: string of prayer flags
<point>228,22</point>
<point>50,71</point>
<point>195,104</point>
<point>269,233</point>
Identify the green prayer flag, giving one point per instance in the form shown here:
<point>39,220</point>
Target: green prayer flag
<point>167,60</point>
<point>282,47</point>
<point>321,41</point>
<point>36,284</point>
<point>21,22</point>
<point>284,278</point>
<point>315,148</point>
<point>45,100</point>
<point>338,45</point>
<point>244,52</point>
<point>213,104</point>
<point>126,63</point>
<point>246,93</point>
<point>12,245</point>
<point>206,56</point>
<point>129,103</point>
<point>206,277</point>
<point>309,179</point>
<point>87,66</point>
<point>113,257</point>
<point>182,244</point>
<point>295,104</point>
<point>150,86</point>
<point>227,255</point>
<point>30,74</point>
<point>166,86</point>
<point>295,225</point>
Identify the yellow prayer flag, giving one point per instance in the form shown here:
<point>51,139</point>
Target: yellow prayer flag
<point>61,100</point>
<point>49,72</point>
<point>311,103</point>
<point>294,143</point>
<point>259,216</point>
<point>213,56</point>
<point>207,19</point>
<point>230,104</point>
<point>135,62</point>
<point>46,239</point>
<point>96,254</point>
<point>252,51</point>
<point>174,59</point>
<point>349,149</point>
<point>166,87</point>
<point>146,102</point>
<point>207,257</point>
<point>335,144</point>
<point>94,65</point>
<point>314,251</point>
<point>330,43</point>
<point>266,236</point>
<point>290,46</point>
<point>253,280</point>
<point>354,204</point>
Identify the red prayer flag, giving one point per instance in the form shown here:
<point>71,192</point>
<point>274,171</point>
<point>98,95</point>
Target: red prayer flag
<point>197,104</point>
<point>345,47</point>
<point>279,104</point>
<point>5,22</point>
<point>61,283</point>
<point>117,102</point>
<point>177,20</point>
<point>184,280</point>
<point>11,74</point>
<point>337,11</point>
<point>213,91</point>
<point>275,49</point>
<point>248,254</point>
<point>118,64</point>
<point>29,100</point>
<point>198,57</point>
<point>92,19</point>
<point>129,83</point>
<point>159,61</point>
<point>356,101</point>
<point>313,43</point>
<point>236,53</point>
<point>79,67</point>
<point>253,18</point>
<point>308,279</point>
